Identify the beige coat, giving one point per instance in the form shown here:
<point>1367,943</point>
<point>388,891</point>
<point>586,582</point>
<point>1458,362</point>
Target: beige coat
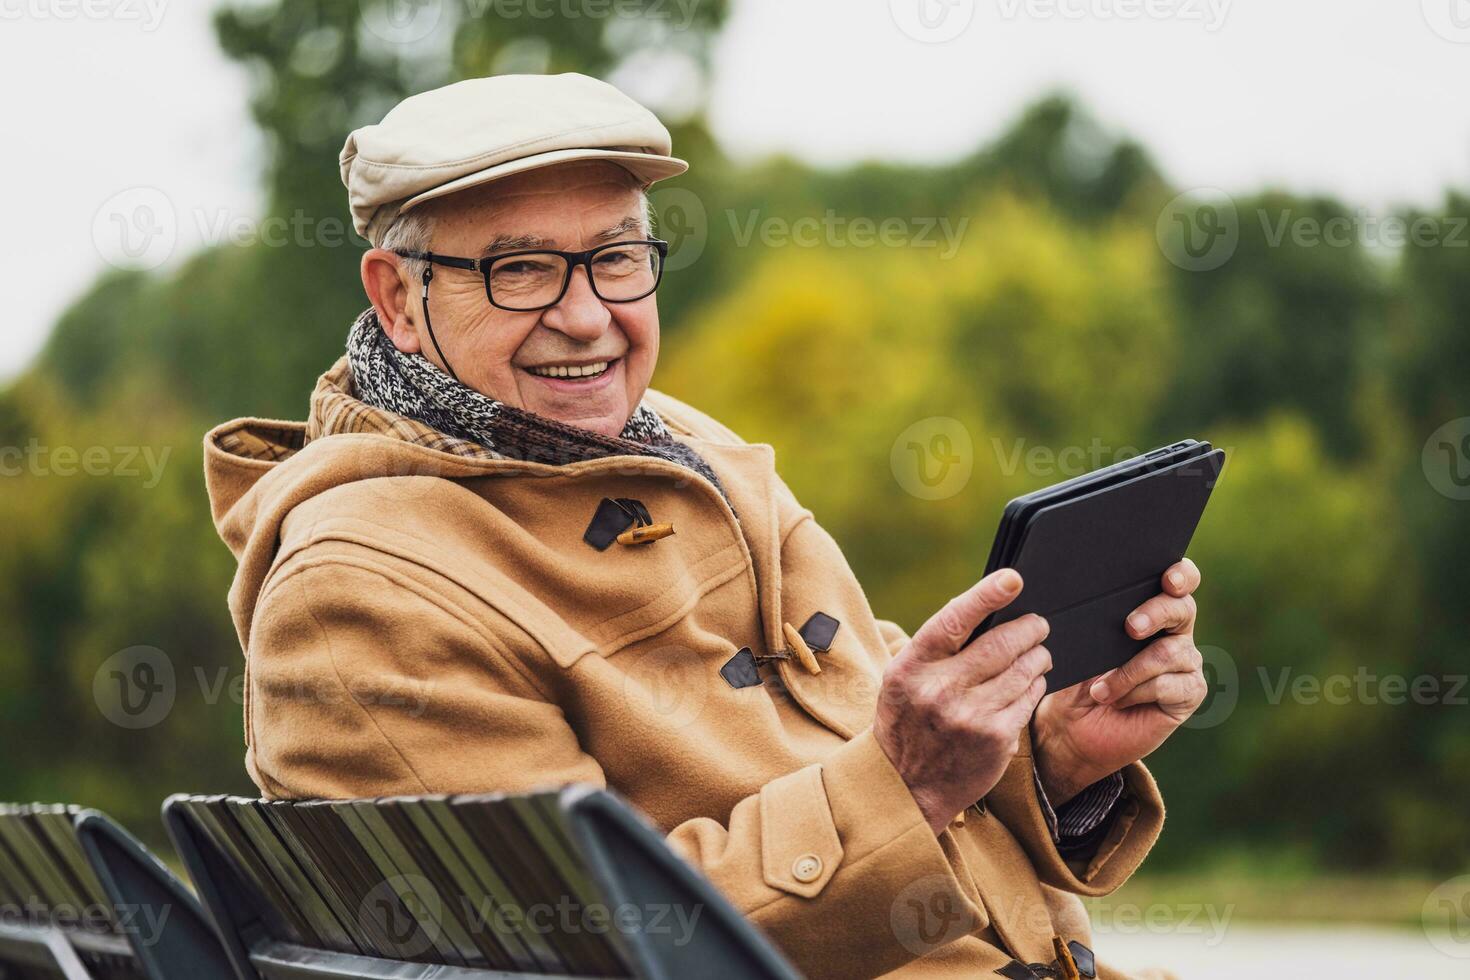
<point>419,622</point>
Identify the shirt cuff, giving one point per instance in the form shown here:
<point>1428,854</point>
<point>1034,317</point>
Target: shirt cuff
<point>1076,819</point>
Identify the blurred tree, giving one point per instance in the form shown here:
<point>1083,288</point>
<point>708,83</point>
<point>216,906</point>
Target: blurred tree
<point>1283,322</point>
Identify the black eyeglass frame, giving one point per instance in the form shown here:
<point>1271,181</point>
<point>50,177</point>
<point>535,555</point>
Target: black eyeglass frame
<point>572,259</point>
<point>482,265</point>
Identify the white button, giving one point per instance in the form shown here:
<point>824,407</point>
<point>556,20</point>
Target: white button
<point>808,867</point>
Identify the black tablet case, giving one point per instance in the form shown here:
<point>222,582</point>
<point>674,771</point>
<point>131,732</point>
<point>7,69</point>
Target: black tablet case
<point>1097,547</point>
<point>1019,511</point>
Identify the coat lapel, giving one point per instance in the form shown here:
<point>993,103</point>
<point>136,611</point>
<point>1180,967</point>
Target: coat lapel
<point>843,696</point>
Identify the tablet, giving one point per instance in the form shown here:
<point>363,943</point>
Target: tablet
<point>1019,510</point>
<point>1093,548</point>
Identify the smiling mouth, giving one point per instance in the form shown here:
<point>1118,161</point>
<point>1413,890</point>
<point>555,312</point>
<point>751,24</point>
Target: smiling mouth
<point>573,372</point>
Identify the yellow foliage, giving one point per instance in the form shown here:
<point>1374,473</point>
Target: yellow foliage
<point>1035,335</point>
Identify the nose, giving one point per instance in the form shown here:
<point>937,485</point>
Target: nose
<point>580,314</point>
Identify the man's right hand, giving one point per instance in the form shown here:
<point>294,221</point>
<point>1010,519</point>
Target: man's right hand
<point>950,715</point>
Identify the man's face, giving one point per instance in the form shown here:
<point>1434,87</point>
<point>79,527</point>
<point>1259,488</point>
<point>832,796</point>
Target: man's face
<point>502,354</point>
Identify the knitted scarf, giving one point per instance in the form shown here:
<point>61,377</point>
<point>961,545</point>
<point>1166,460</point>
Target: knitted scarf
<point>411,385</point>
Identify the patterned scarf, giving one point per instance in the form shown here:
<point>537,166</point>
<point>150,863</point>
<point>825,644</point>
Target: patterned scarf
<point>411,385</point>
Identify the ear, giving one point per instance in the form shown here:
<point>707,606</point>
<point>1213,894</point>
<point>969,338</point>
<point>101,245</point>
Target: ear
<point>392,297</point>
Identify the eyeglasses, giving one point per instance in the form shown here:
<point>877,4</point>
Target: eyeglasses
<point>535,279</point>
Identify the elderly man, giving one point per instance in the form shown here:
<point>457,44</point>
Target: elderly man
<point>493,559</point>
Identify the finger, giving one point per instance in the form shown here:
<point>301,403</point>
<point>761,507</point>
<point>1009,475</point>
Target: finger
<point>1019,712</point>
<point>1176,692</point>
<point>944,633</point>
<point>1010,683</point>
<point>999,647</point>
<point>1181,578</point>
<point>1163,612</point>
<point>1162,656</point>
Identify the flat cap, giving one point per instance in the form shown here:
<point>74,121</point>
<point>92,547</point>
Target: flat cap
<point>482,129</point>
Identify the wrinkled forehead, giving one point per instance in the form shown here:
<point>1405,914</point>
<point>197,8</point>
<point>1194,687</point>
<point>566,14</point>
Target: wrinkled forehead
<point>571,207</point>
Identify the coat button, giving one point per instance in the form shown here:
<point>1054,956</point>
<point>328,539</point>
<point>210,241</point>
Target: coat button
<point>807,868</point>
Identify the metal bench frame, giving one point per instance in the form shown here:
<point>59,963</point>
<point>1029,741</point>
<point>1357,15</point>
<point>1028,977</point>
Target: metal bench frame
<point>133,878</point>
<point>43,947</point>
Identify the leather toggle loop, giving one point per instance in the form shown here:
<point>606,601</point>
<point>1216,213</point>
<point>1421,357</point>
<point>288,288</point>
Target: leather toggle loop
<point>613,517</point>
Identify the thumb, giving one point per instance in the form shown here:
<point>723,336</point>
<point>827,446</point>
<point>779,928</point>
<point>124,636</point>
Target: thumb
<point>945,633</point>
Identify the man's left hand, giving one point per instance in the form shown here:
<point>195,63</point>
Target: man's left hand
<point>1091,730</point>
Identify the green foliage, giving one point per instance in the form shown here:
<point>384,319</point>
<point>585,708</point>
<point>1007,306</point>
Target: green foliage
<point>819,352</point>
<point>1281,324</point>
<point>1054,333</point>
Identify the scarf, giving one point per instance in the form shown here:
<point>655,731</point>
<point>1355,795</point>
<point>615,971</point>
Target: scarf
<point>411,385</point>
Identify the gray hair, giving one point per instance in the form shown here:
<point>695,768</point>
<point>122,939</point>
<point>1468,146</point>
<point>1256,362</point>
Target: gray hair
<point>413,231</point>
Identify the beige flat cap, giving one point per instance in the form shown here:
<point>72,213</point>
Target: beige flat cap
<point>482,129</point>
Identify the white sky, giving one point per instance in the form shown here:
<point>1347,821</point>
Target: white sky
<point>1367,99</point>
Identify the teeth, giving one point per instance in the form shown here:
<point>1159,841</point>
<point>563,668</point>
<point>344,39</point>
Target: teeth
<point>570,370</point>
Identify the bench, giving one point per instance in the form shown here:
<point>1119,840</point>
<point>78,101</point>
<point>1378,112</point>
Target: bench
<point>80,899</point>
<point>569,883</point>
